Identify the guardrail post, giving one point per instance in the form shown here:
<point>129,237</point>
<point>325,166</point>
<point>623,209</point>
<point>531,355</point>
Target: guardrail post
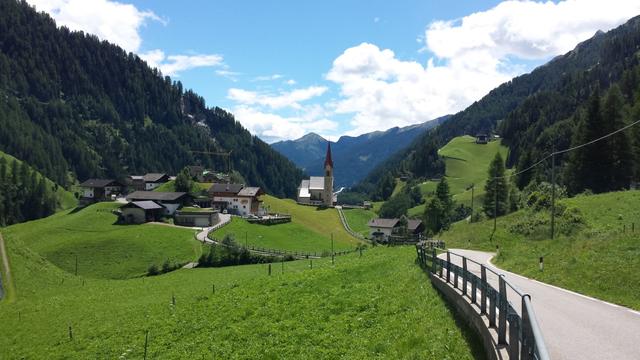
<point>525,346</point>
<point>474,288</point>
<point>492,308</point>
<point>441,268</point>
<point>464,276</point>
<point>448,266</point>
<point>502,315</point>
<point>483,290</point>
<point>456,270</point>
<point>434,259</point>
<point>514,336</point>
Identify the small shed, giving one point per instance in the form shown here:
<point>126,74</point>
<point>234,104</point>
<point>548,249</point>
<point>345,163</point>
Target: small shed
<point>196,217</point>
<point>482,138</point>
<point>139,212</point>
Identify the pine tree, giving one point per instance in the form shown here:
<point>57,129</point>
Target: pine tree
<point>620,167</point>
<point>444,196</point>
<point>496,189</point>
<point>433,215</point>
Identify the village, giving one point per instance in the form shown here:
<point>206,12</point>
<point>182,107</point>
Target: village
<point>143,200</point>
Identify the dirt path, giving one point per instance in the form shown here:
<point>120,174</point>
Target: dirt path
<point>6,283</point>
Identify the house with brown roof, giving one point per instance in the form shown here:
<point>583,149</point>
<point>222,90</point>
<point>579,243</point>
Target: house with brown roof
<point>139,212</point>
<point>94,190</point>
<point>153,180</point>
<point>383,229</point>
<point>236,199</point>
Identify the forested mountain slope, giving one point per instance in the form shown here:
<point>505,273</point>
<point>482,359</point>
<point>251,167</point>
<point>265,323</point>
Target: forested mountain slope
<point>537,111</point>
<point>74,107</point>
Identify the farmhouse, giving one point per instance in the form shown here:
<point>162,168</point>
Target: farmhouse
<point>382,229</point>
<point>236,199</point>
<point>138,212</point>
<point>171,201</point>
<point>153,180</point>
<point>318,190</point>
<point>196,172</point>
<point>99,190</point>
<point>196,217</point>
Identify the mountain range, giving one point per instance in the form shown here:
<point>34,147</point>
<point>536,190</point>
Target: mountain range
<point>353,157</point>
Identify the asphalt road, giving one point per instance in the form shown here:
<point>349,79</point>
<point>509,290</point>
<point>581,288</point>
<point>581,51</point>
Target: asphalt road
<point>574,326</point>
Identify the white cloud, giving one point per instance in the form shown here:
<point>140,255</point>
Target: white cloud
<point>231,75</point>
<point>291,82</point>
<point>288,99</point>
<point>109,20</point>
<point>173,64</point>
<point>472,56</point>
<point>273,127</point>
<point>267,77</point>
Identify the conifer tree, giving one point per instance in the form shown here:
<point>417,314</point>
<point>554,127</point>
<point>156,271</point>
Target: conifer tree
<point>496,189</point>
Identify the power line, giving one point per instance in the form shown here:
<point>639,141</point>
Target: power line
<point>567,150</point>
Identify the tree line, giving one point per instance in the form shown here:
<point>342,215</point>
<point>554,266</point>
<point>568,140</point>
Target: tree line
<point>24,193</point>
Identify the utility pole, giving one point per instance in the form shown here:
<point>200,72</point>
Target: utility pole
<point>553,192</point>
<point>495,204</point>
<point>473,186</point>
<point>333,254</point>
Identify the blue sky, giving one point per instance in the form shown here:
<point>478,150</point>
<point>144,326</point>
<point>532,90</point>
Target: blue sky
<point>285,68</point>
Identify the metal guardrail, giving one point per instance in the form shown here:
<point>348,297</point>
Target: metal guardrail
<point>519,333</point>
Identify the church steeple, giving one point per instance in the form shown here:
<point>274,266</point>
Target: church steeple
<point>327,194</point>
<point>328,161</point>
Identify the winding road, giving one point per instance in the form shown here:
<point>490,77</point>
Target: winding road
<point>574,326</point>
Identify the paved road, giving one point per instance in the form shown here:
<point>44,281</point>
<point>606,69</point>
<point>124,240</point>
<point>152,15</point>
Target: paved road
<point>574,326</point>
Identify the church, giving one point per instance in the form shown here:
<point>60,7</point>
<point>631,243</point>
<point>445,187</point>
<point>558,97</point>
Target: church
<point>318,190</point>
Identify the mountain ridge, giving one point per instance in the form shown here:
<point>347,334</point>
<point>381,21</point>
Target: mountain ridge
<point>354,156</point>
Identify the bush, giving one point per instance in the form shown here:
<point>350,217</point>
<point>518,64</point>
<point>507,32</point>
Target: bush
<point>153,270</point>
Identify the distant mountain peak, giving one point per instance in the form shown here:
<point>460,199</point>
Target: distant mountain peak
<point>311,137</point>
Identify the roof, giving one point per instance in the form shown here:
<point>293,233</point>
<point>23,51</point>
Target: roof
<point>155,195</point>
<point>413,224</point>
<point>136,177</point>
<point>145,205</point>
<point>154,177</point>
<point>250,191</point>
<point>99,183</point>
<point>316,183</point>
<point>196,211</point>
<point>226,188</point>
<point>328,160</point>
<point>383,223</point>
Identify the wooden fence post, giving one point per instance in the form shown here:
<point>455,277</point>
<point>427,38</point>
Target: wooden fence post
<point>146,343</point>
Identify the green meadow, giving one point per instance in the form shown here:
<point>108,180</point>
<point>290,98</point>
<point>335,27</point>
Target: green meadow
<point>102,248</point>
<point>599,255</point>
<point>466,163</point>
<point>358,220</point>
<point>302,310</point>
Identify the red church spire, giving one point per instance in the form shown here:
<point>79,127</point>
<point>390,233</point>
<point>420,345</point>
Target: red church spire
<point>328,160</point>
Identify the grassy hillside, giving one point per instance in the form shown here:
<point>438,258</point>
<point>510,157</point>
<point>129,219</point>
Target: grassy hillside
<point>358,219</point>
<point>600,258</point>
<point>309,230</point>
<point>327,312</point>
<point>466,163</point>
<point>65,199</point>
<point>290,236</point>
<point>321,221</point>
<point>103,249</point>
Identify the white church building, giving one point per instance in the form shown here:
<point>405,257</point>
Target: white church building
<point>318,190</point>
